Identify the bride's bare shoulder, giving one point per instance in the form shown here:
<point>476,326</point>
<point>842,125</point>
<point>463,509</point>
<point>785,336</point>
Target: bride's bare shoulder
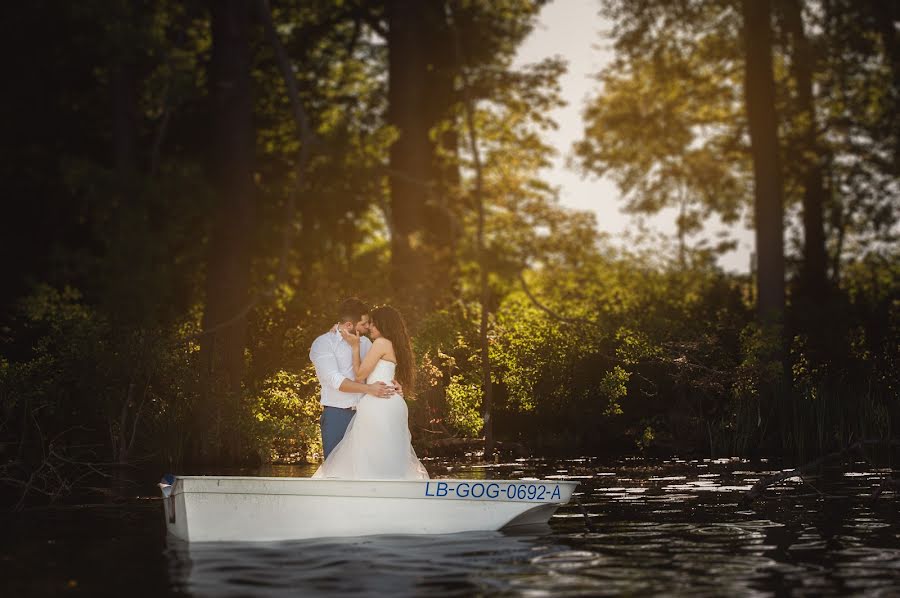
<point>382,342</point>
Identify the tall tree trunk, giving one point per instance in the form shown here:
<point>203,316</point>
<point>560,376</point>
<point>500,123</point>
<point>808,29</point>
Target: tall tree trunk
<point>813,279</point>
<point>441,226</point>
<point>228,261</point>
<point>411,152</point>
<point>420,92</point>
<point>759,89</point>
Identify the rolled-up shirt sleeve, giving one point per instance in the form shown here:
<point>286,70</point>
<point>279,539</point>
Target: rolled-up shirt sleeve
<point>325,362</point>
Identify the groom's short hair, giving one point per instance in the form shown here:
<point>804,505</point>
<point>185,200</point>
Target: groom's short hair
<point>352,309</point>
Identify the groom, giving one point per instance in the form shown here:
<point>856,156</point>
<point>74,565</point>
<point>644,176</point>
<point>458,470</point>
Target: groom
<point>333,359</point>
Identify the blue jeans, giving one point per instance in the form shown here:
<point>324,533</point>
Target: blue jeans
<point>334,422</point>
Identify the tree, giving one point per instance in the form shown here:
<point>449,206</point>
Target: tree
<point>860,106</point>
<point>418,99</point>
<point>663,128</point>
<point>759,90</point>
<point>424,107</point>
<point>230,246</point>
<point>810,157</point>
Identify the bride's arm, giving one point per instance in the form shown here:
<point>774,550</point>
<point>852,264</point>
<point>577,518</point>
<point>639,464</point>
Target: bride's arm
<point>378,350</point>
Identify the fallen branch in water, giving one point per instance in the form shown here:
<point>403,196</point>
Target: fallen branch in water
<point>588,526</point>
<point>886,483</point>
<point>798,472</point>
<point>55,472</point>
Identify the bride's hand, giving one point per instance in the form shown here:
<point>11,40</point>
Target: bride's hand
<point>351,338</point>
<point>397,388</point>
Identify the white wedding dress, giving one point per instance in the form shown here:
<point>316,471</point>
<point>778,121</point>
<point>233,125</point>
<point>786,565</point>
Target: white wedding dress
<point>376,445</point>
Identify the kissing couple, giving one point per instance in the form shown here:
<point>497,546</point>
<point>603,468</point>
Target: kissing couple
<point>365,428</point>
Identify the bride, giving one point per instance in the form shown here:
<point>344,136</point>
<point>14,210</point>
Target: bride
<point>377,444</point>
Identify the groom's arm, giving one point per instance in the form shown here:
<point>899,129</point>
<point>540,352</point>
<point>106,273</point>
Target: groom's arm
<point>379,389</point>
<point>325,362</point>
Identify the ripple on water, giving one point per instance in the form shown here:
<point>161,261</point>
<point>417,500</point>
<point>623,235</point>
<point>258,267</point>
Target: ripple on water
<point>867,554</point>
<point>868,527</point>
<point>560,584</point>
<point>760,524</point>
<point>701,487</point>
<point>802,546</point>
<point>569,559</point>
<point>675,498</point>
<point>723,564</point>
<point>727,530</point>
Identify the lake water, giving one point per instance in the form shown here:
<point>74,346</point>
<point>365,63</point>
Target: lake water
<point>670,528</point>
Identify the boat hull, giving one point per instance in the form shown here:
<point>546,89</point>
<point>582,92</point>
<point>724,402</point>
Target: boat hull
<point>221,509</point>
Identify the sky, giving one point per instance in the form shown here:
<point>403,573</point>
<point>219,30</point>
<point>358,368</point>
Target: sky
<point>574,30</point>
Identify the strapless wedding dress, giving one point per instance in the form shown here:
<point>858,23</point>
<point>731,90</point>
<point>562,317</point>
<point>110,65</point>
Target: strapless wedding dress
<point>377,444</point>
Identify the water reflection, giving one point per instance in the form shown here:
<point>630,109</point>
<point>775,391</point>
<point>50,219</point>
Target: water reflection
<point>454,564</point>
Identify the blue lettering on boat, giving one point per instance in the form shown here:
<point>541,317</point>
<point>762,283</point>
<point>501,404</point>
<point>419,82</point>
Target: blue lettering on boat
<point>512,491</point>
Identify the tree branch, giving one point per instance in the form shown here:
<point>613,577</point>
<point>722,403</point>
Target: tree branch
<point>546,309</point>
<point>763,483</point>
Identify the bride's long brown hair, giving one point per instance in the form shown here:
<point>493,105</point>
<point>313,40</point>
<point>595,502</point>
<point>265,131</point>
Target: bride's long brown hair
<point>392,327</point>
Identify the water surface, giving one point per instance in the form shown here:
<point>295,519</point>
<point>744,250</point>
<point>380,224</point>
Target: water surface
<point>672,528</point>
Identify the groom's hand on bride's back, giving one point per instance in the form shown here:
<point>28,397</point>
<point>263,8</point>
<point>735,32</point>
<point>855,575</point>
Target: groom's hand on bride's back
<point>385,391</point>
<point>381,390</point>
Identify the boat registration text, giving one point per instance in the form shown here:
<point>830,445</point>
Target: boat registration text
<point>491,490</point>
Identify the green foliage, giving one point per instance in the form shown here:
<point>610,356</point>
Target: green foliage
<point>614,387</point>
<point>450,390</point>
<point>635,346</point>
<point>83,376</point>
<point>761,366</point>
<point>609,348</point>
<point>646,439</point>
<point>464,406</point>
<point>285,414</point>
<point>534,356</point>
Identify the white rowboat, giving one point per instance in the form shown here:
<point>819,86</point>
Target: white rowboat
<point>247,509</point>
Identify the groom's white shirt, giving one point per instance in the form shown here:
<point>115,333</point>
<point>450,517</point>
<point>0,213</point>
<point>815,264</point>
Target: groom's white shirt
<point>333,359</point>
